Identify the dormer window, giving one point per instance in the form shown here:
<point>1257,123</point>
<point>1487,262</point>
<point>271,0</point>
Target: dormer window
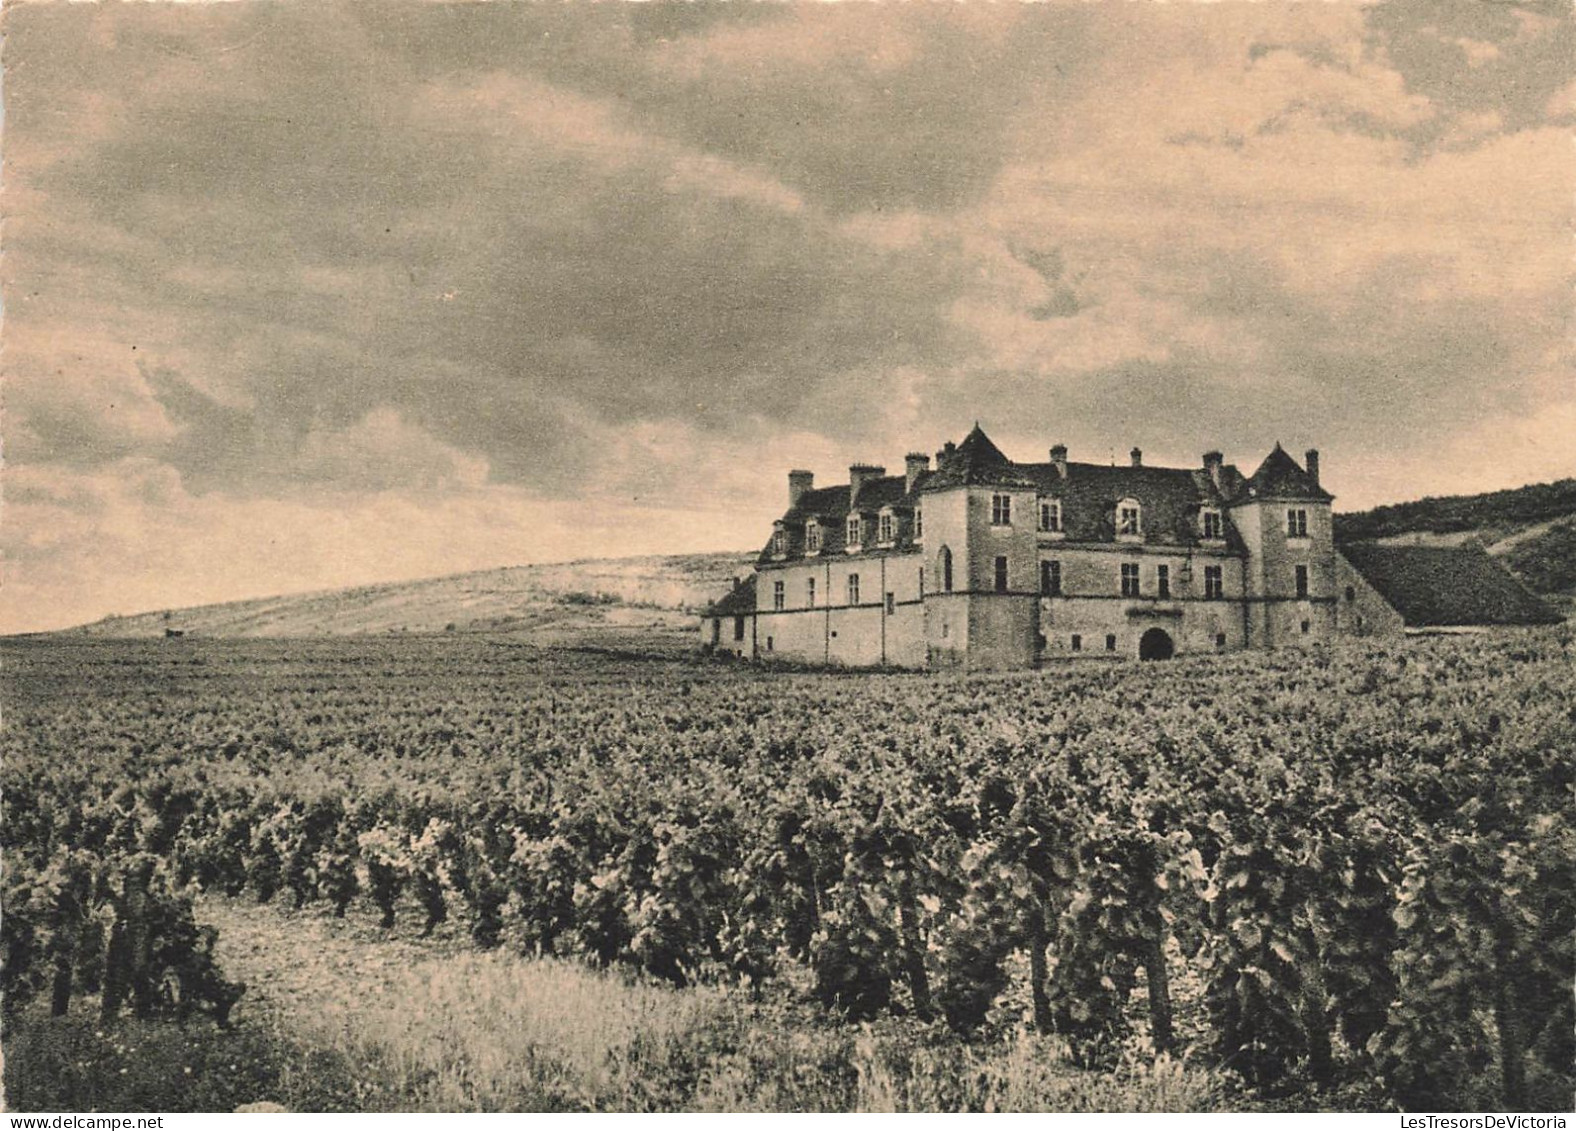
<point>812,537</point>
<point>1001,510</point>
<point>1212,525</point>
<point>853,531</point>
<point>1129,519</point>
<point>779,541</point>
<point>885,532</point>
<point>1051,516</point>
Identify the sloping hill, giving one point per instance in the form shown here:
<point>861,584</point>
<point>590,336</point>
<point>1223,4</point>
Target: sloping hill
<point>579,601</point>
<point>1532,529</point>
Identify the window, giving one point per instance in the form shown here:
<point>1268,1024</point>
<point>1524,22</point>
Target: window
<point>1351,593</point>
<point>1213,527</point>
<point>779,542</point>
<point>1130,579</point>
<point>853,589</point>
<point>1302,581</point>
<point>853,530</point>
<point>1051,515</point>
<point>1001,575</point>
<point>1220,640</point>
<point>1129,519</point>
<point>1163,580</point>
<point>891,603</point>
<point>1297,524</point>
<point>886,528</point>
<point>1305,627</point>
<point>778,599</point>
<point>809,592</point>
<point>738,628</point>
<point>921,581</point>
<point>1051,579</point>
<point>946,570</point>
<point>1110,642</point>
<point>919,523</point>
<point>1077,643</point>
<point>1001,510</point>
<point>812,538</point>
<point>1214,583</point>
<point>768,643</point>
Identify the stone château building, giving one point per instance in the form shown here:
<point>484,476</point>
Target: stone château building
<point>980,562</point>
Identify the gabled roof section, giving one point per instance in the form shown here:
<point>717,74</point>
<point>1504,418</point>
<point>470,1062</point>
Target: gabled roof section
<point>1446,586</point>
<point>976,462</point>
<point>1281,477</point>
<point>1170,499</point>
<point>822,503</point>
<point>830,507</point>
<point>736,602</point>
<point>888,491</point>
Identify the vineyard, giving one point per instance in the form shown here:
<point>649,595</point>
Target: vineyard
<point>1346,869</point>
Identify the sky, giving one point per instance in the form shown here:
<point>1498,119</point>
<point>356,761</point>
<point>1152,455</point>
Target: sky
<point>304,295</point>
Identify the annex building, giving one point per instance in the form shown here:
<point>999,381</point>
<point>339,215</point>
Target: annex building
<point>981,562</point>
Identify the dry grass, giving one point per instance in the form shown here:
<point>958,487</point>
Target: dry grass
<point>432,1026</point>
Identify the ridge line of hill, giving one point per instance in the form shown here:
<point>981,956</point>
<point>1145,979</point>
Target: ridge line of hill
<point>548,601</point>
<point>1531,529</point>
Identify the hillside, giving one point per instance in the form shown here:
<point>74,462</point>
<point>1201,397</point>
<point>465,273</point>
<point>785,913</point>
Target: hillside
<point>1532,529</point>
<point>584,601</point>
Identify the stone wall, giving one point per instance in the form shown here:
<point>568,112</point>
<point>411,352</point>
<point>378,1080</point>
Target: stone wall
<point>1359,609</point>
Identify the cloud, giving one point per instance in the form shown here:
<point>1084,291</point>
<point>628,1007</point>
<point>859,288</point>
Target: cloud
<point>130,537</point>
<point>380,452</point>
<point>552,268</point>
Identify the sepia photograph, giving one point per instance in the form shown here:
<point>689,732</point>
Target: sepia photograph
<point>779,556</point>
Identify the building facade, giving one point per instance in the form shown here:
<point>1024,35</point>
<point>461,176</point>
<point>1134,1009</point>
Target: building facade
<point>980,562</point>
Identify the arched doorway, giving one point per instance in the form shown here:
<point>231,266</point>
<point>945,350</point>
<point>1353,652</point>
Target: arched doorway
<point>1155,645</point>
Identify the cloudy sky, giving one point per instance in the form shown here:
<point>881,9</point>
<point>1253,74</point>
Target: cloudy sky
<point>303,295</point>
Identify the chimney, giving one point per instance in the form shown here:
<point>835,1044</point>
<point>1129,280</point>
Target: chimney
<point>914,465</point>
<point>1312,457</point>
<point>1213,462</point>
<point>1138,457</point>
<point>860,474</point>
<point>798,483</point>
<point>1059,458</point>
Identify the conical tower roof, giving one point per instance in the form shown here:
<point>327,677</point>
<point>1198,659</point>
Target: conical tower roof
<point>977,461</point>
<point>1281,477</point>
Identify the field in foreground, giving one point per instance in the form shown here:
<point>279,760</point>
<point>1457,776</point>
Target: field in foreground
<point>343,1015</point>
<point>1340,877</point>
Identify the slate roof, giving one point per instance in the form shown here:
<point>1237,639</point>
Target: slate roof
<point>1280,477</point>
<point>737,601</point>
<point>1170,498</point>
<point>976,462</point>
<point>830,507</point>
<point>1446,586</point>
